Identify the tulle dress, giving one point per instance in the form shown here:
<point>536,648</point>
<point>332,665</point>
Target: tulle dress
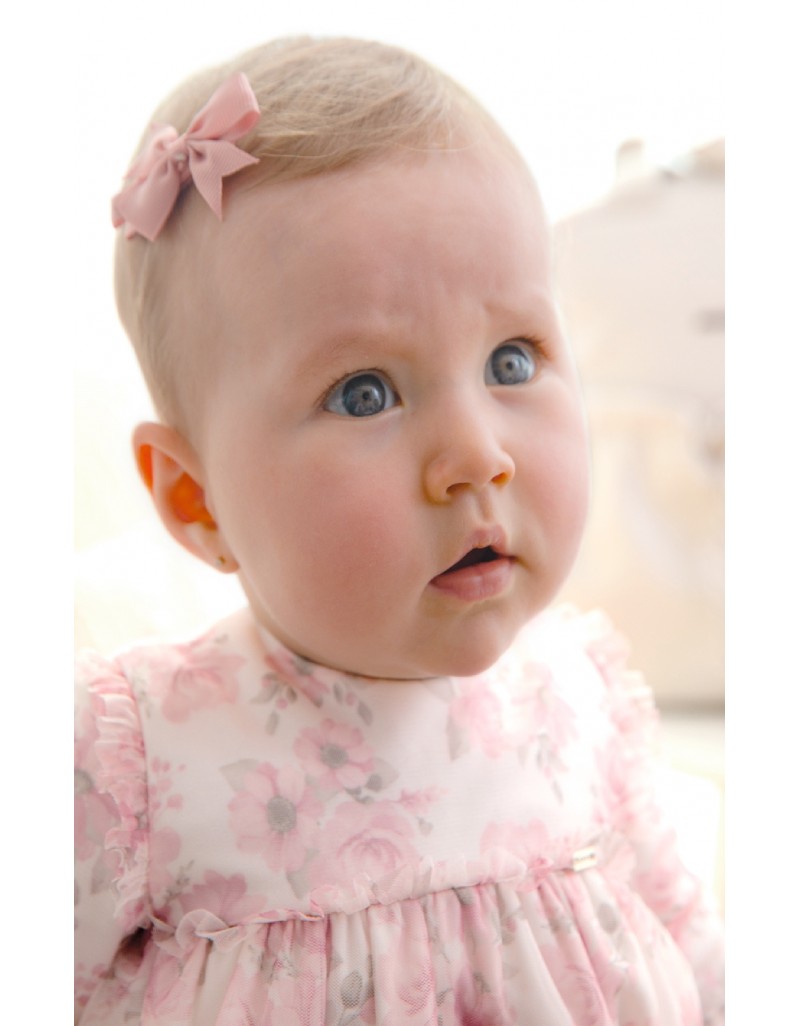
<point>262,841</point>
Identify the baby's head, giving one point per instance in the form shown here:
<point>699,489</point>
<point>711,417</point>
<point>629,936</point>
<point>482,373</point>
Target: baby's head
<point>368,407</point>
<point>325,105</point>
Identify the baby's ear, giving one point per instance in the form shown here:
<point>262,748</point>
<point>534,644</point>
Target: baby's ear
<point>173,475</point>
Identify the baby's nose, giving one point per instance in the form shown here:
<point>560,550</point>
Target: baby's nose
<point>469,456</point>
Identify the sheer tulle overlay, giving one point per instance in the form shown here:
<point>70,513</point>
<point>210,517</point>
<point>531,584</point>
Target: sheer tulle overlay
<point>261,840</point>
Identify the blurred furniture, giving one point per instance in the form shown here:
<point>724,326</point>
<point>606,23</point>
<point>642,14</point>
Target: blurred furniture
<point>640,279</point>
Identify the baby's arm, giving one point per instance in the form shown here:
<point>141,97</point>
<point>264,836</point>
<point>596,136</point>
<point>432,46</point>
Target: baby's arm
<point>110,795</point>
<point>674,894</point>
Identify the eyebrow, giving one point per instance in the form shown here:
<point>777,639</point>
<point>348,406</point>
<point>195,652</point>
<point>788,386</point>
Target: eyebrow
<point>344,344</point>
<point>384,334</point>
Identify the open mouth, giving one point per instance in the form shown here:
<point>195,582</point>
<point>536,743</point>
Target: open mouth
<point>482,555</point>
<point>483,573</point>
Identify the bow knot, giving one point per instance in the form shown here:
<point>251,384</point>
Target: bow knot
<point>205,154</point>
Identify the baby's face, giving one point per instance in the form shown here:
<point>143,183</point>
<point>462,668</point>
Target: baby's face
<point>392,439</point>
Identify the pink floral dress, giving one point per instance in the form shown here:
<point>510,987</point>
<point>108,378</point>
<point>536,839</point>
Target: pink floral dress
<point>261,840</point>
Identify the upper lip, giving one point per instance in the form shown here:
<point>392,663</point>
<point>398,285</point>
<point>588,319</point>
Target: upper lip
<point>492,537</point>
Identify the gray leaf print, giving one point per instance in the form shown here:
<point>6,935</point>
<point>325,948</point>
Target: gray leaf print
<point>382,776</point>
<point>352,988</point>
<point>235,772</point>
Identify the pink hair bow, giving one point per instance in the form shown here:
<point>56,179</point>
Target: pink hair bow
<point>205,153</point>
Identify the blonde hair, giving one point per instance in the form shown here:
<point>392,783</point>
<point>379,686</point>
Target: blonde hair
<point>325,104</point>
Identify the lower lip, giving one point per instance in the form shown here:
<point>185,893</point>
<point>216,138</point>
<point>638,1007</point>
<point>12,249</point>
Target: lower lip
<point>476,583</point>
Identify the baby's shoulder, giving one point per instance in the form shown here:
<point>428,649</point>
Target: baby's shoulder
<point>586,644</point>
<point>146,665</point>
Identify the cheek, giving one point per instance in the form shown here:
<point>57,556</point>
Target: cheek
<point>565,471</point>
<point>334,523</point>
<point>556,473</point>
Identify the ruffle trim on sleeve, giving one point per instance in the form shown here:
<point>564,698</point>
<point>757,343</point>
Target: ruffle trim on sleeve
<point>123,776</point>
<point>632,713</point>
<point>633,708</point>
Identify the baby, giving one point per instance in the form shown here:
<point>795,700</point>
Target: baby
<point>396,788</point>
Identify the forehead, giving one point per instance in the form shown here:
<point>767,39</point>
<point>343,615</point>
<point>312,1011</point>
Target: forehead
<point>391,211</point>
<point>372,246</point>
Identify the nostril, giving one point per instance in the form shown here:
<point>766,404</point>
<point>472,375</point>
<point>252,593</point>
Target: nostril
<point>467,468</point>
<point>459,486</point>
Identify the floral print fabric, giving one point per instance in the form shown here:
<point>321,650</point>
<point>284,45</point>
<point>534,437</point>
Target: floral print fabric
<point>261,840</point>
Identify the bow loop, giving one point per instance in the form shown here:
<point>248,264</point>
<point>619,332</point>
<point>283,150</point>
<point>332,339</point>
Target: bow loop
<point>230,113</point>
<point>205,153</point>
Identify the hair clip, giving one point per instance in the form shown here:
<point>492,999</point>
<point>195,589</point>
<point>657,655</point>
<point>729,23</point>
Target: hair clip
<point>204,154</point>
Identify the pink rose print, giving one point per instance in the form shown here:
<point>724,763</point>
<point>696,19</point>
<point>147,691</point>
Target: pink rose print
<point>94,816</point>
<point>86,982</point>
<point>528,842</point>
<point>610,654</point>
<point>225,897</point>
<point>373,839</point>
<point>420,802</point>
<point>165,847</point>
<point>336,755</point>
<point>276,815</point>
<point>614,779</point>
<point>171,986</point>
<point>667,888</point>
<point>292,1000</point>
<point>164,842</point>
<point>476,1005</point>
<point>478,718</point>
<point>161,786</point>
<point>95,810</point>
<point>202,676</point>
<point>287,668</point>
<point>415,1002</point>
<point>590,991</point>
<point>546,713</point>
<point>407,978</point>
<point>283,664</point>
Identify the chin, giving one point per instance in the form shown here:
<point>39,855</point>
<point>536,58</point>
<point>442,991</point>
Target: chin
<point>486,642</point>
<point>476,657</point>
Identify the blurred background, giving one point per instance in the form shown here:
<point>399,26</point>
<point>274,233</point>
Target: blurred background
<point>618,109</point>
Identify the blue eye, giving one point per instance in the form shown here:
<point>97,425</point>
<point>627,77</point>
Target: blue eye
<point>362,395</point>
<point>510,364</point>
